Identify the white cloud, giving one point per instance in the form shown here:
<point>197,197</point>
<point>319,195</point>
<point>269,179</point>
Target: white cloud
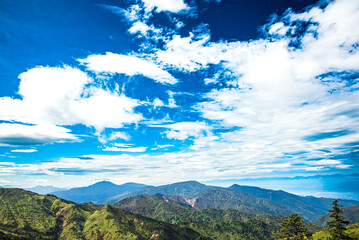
<point>276,93</point>
<point>31,150</point>
<point>144,30</point>
<point>174,6</point>
<point>130,65</point>
<point>27,135</point>
<point>171,100</point>
<point>119,135</point>
<point>124,145</point>
<point>158,103</point>
<point>104,109</point>
<point>278,28</point>
<point>165,145</point>
<point>139,27</point>
<point>113,9</point>
<point>190,53</point>
<point>64,96</point>
<point>184,130</point>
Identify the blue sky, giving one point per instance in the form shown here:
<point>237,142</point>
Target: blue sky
<point>221,91</point>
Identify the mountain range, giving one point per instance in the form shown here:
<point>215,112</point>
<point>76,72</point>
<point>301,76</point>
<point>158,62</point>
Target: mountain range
<point>246,199</point>
<point>183,189</point>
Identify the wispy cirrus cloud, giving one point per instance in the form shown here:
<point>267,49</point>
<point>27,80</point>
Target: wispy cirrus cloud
<point>112,63</point>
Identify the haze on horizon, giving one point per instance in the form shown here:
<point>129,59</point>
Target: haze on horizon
<point>157,92</point>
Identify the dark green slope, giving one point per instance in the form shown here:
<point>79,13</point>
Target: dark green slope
<point>184,189</point>
<point>310,207</point>
<point>26,215</point>
<point>162,208</point>
<point>98,191</point>
<point>212,223</point>
<point>351,214</point>
<point>244,202</point>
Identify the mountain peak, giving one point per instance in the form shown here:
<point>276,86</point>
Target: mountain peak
<point>104,182</point>
<point>191,182</point>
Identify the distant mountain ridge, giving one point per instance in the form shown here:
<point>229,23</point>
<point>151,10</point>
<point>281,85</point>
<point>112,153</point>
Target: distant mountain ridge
<point>183,189</point>
<point>45,189</point>
<point>310,207</point>
<point>98,191</point>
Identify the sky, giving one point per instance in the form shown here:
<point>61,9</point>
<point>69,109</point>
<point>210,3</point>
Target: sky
<point>262,93</point>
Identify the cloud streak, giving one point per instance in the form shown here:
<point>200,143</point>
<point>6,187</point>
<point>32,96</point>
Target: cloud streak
<point>112,63</point>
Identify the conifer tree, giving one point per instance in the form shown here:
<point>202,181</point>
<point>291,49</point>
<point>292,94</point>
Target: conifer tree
<point>337,224</point>
<point>294,228</point>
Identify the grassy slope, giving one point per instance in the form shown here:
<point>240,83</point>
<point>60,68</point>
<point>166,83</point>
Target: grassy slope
<point>212,223</point>
<point>244,202</point>
<point>26,215</point>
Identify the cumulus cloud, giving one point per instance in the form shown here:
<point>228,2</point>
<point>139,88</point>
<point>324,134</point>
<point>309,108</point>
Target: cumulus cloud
<point>65,96</point>
<point>112,63</point>
<point>174,6</point>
